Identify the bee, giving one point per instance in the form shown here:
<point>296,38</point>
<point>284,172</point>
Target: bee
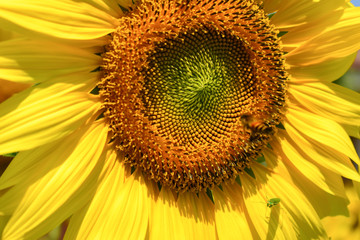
<point>255,126</point>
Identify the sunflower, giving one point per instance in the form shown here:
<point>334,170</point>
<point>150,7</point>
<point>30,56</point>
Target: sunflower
<point>177,119</point>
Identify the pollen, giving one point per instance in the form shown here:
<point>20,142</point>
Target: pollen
<point>193,90</point>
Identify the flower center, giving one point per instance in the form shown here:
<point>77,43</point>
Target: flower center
<point>193,90</point>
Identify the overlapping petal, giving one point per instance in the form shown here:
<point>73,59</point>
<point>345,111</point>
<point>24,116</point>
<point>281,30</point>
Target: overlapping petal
<point>232,220</point>
<point>296,148</point>
<point>325,132</point>
<point>43,114</point>
<point>345,103</point>
<point>66,19</point>
<point>295,210</point>
<point>119,208</point>
<point>25,60</point>
<point>49,195</point>
<point>197,215</point>
<point>165,221</point>
<point>291,14</point>
<point>337,41</point>
<point>326,71</point>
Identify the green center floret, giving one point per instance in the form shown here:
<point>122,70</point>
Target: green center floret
<point>195,82</point>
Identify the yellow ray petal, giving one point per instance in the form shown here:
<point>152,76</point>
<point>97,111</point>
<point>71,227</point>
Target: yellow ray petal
<point>302,161</point>
<point>165,220</point>
<point>42,114</point>
<point>324,203</point>
<point>47,198</point>
<point>297,36</point>
<point>107,6</point>
<point>118,210</point>
<point>293,206</point>
<point>232,220</point>
<point>197,214</point>
<point>36,61</point>
<point>328,158</point>
<point>345,103</point>
<point>325,132</point>
<point>58,18</point>
<point>339,40</point>
<point>297,13</point>
<point>326,71</point>
<point>270,223</point>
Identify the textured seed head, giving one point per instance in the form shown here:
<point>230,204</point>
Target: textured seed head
<point>193,90</point>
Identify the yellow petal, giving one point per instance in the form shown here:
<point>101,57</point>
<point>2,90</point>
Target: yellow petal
<point>42,114</point>
<point>292,14</point>
<point>293,206</point>
<point>36,61</point>
<point>320,155</point>
<point>296,36</point>
<point>344,104</point>
<point>325,132</point>
<point>299,156</point>
<point>232,221</point>
<point>47,198</point>
<point>58,18</point>
<point>270,223</point>
<point>165,220</point>
<point>326,71</point>
<point>118,210</point>
<point>197,214</point>
<point>327,205</point>
<point>339,40</point>
<point>107,6</point>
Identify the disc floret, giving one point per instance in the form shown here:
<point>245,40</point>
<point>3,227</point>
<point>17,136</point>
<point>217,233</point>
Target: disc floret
<point>193,92</point>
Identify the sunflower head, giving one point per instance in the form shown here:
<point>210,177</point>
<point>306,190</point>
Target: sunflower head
<point>193,92</point>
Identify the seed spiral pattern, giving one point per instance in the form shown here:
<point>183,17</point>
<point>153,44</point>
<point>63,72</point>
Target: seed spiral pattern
<point>196,86</point>
<point>193,90</point>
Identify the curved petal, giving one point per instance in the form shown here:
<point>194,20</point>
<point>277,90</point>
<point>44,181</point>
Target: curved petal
<point>297,13</point>
<point>270,223</point>
<point>119,208</point>
<point>328,203</point>
<point>197,214</point>
<point>49,196</point>
<point>321,130</point>
<point>58,18</point>
<point>326,71</point>
<point>337,41</point>
<point>23,60</point>
<point>107,6</point>
<point>345,103</point>
<point>232,220</point>
<point>313,165</point>
<point>320,155</point>
<point>42,114</point>
<point>307,30</point>
<point>292,213</point>
<point>165,220</point>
